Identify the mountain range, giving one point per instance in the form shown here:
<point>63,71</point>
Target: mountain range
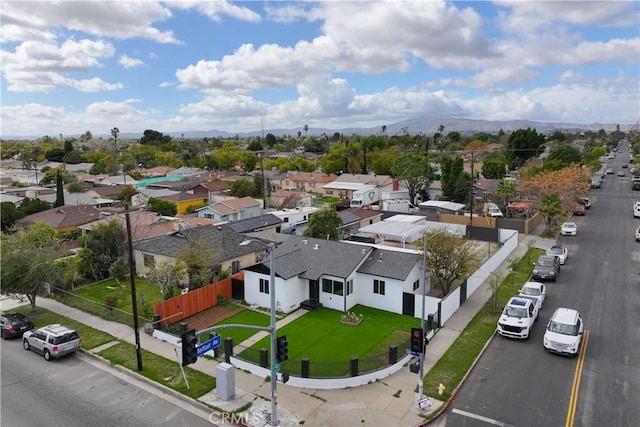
<point>421,125</point>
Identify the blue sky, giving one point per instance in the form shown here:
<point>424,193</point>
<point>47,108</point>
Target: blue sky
<point>179,66</point>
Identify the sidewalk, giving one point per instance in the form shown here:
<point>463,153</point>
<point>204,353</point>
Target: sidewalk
<point>389,402</point>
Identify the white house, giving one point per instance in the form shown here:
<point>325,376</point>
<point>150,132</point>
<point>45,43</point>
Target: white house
<point>312,272</point>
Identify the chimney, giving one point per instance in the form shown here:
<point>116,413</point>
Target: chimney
<point>396,185</point>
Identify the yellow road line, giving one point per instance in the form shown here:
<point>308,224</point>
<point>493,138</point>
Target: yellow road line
<point>575,387</point>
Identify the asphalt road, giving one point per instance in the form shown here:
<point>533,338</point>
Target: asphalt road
<point>517,383</point>
<point>76,391</point>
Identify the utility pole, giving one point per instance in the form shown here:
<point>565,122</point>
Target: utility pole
<point>471,197</point>
<point>134,299</point>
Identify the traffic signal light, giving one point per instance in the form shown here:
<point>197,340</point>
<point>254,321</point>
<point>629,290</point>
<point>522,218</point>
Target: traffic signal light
<point>417,340</point>
<point>282,349</point>
<point>189,347</point>
<point>285,377</point>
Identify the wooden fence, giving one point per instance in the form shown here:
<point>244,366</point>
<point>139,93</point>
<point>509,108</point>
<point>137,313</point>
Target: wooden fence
<point>182,306</point>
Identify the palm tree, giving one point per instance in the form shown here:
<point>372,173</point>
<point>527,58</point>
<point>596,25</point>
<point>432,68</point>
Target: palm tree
<point>550,207</point>
<point>306,128</point>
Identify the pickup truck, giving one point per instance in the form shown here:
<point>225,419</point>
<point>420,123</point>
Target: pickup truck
<point>517,318</point>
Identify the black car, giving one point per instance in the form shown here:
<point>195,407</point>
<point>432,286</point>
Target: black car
<point>14,325</point>
<point>546,268</point>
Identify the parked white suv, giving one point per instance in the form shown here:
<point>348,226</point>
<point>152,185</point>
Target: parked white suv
<point>564,332</point>
<point>636,210</point>
<point>517,318</point>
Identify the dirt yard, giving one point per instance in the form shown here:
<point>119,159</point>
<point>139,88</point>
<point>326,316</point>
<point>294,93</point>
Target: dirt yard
<point>212,316</point>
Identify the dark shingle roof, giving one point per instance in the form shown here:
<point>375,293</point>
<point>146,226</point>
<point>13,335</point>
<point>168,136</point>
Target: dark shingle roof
<point>390,264</point>
<point>254,224</point>
<point>223,241</point>
<point>311,258</point>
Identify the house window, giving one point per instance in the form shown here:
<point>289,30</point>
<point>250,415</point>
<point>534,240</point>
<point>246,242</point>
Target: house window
<point>416,284</point>
<point>332,287</point>
<point>349,286</point>
<point>149,261</point>
<point>264,286</point>
<point>235,267</point>
<point>378,286</point>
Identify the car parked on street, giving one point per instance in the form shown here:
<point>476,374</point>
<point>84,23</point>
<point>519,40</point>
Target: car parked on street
<point>564,332</point>
<point>579,210</point>
<point>636,210</point>
<point>620,173</point>
<point>534,289</point>
<point>569,229</point>
<point>547,267</point>
<point>560,251</point>
<point>52,341</point>
<point>517,318</point>
<point>638,234</point>
<point>14,325</point>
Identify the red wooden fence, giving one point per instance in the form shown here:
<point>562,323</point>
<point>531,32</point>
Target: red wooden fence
<point>182,306</point>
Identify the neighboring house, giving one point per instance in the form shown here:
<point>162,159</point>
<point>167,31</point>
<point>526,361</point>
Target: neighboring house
<point>291,218</point>
<point>144,194</point>
<point>312,272</point>
<point>232,209</point>
<point>156,172</point>
<point>211,189</point>
<point>435,207</point>
<point>308,182</point>
<point>265,223</point>
<point>353,219</point>
<point>284,199</point>
<point>344,185</point>
<point>224,243</point>
<point>145,224</point>
<point>78,199</point>
<point>65,218</point>
<point>184,201</point>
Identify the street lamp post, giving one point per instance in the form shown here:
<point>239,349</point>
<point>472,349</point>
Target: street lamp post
<point>272,327</point>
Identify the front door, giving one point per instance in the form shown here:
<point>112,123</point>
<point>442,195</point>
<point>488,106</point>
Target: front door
<point>408,304</point>
<point>314,291</point>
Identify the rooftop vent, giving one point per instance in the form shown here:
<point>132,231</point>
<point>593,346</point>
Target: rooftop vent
<point>315,247</point>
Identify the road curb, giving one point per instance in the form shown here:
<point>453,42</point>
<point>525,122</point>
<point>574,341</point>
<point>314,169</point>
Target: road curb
<point>443,408</point>
<point>142,378</point>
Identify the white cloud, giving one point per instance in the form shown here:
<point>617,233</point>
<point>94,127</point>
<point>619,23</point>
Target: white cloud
<point>127,62</point>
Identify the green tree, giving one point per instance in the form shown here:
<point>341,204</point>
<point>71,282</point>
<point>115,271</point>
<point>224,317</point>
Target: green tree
<point>198,260</point>
<point>522,145</point>
<point>562,156</point>
<point>505,192</point>
<point>324,224</point>
<point>59,191</point>
<point>243,187</point>
<point>452,170</point>
<point>75,187</point>
<point>450,259</point>
<point>550,207</point>
<point>162,207</point>
<point>494,169</point>
<point>413,168</point>
<point>28,261</point>
<point>168,275</point>
<point>30,206</point>
<point>9,213</point>
<point>100,248</point>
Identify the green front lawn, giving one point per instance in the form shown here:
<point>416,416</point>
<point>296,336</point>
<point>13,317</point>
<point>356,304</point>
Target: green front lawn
<point>329,344</point>
<point>246,317</point>
<point>98,297</point>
